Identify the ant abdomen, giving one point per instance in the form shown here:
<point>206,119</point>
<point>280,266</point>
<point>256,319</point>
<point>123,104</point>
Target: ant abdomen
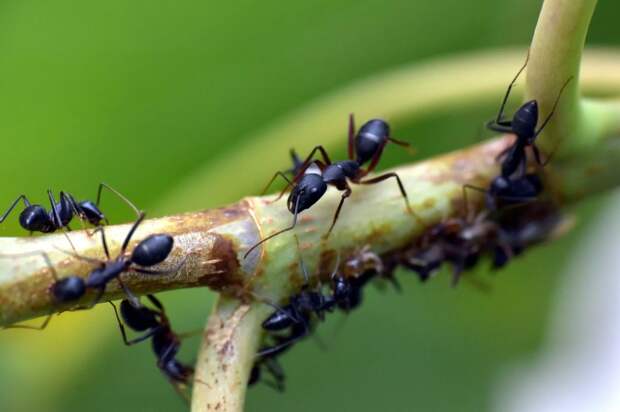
<point>370,138</point>
<point>138,318</point>
<point>152,250</point>
<point>36,219</point>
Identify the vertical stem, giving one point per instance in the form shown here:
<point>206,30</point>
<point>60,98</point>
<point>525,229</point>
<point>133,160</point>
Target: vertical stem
<point>226,356</point>
<point>555,56</point>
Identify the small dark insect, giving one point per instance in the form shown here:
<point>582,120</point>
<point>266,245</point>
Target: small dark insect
<point>297,315</point>
<point>502,191</point>
<point>165,342</point>
<point>314,176</point>
<point>35,218</point>
<point>523,125</point>
<point>151,251</point>
<point>271,364</point>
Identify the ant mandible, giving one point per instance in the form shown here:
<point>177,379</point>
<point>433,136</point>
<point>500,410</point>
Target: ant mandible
<point>165,342</point>
<point>523,125</point>
<point>35,218</point>
<point>313,176</point>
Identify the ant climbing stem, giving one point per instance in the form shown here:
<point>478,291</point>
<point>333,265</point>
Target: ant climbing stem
<point>523,125</point>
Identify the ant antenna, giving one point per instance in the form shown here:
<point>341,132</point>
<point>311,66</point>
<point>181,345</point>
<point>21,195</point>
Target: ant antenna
<point>500,114</point>
<point>304,270</point>
<point>335,271</point>
<point>291,227</point>
<point>555,104</point>
<point>117,193</point>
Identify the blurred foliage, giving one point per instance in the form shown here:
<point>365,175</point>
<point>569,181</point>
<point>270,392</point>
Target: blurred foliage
<point>141,94</point>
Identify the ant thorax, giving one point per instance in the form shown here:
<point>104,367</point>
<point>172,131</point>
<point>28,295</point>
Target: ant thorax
<point>313,169</point>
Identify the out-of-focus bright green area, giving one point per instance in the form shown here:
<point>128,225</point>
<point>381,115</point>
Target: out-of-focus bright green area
<point>142,94</point>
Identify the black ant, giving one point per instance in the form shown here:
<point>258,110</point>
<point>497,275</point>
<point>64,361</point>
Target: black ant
<point>296,316</point>
<point>151,251</point>
<point>165,342</point>
<point>35,218</point>
<point>271,364</point>
<point>523,125</point>
<point>313,176</point>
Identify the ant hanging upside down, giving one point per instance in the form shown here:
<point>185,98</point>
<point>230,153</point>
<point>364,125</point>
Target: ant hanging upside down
<point>165,342</point>
<point>313,176</point>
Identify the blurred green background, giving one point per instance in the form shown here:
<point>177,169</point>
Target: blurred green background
<point>143,94</point>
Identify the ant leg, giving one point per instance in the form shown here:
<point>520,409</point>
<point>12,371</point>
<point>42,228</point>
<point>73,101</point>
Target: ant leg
<point>124,333</point>
<point>54,209</point>
<point>291,227</point>
<point>275,175</point>
<point>404,144</point>
<point>156,302</point>
<point>287,341</point>
<point>141,216</point>
<point>504,127</point>
<point>400,186</point>
<point>133,299</point>
<point>74,207</point>
<point>10,209</point>
<point>345,194</point>
<point>103,185</point>
<point>162,271</point>
<point>40,327</point>
<point>276,372</point>
<point>374,160</point>
<point>351,137</point>
<point>500,114</point>
<point>555,105</point>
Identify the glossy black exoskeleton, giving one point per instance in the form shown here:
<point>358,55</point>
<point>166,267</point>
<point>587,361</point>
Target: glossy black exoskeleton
<point>165,342</point>
<point>151,251</point>
<point>35,218</point>
<point>314,176</point>
<point>523,125</point>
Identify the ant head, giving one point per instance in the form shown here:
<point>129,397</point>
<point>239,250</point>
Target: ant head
<point>68,289</point>
<point>306,193</point>
<point>138,318</point>
<point>152,250</point>
<point>371,136</point>
<point>525,120</point>
<point>91,212</point>
<point>35,219</point>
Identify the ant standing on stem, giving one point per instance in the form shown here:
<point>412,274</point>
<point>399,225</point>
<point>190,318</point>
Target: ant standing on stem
<point>313,176</point>
<point>151,251</point>
<point>35,218</point>
<point>165,342</point>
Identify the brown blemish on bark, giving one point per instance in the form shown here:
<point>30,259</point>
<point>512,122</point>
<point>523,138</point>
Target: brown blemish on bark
<point>227,267</point>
